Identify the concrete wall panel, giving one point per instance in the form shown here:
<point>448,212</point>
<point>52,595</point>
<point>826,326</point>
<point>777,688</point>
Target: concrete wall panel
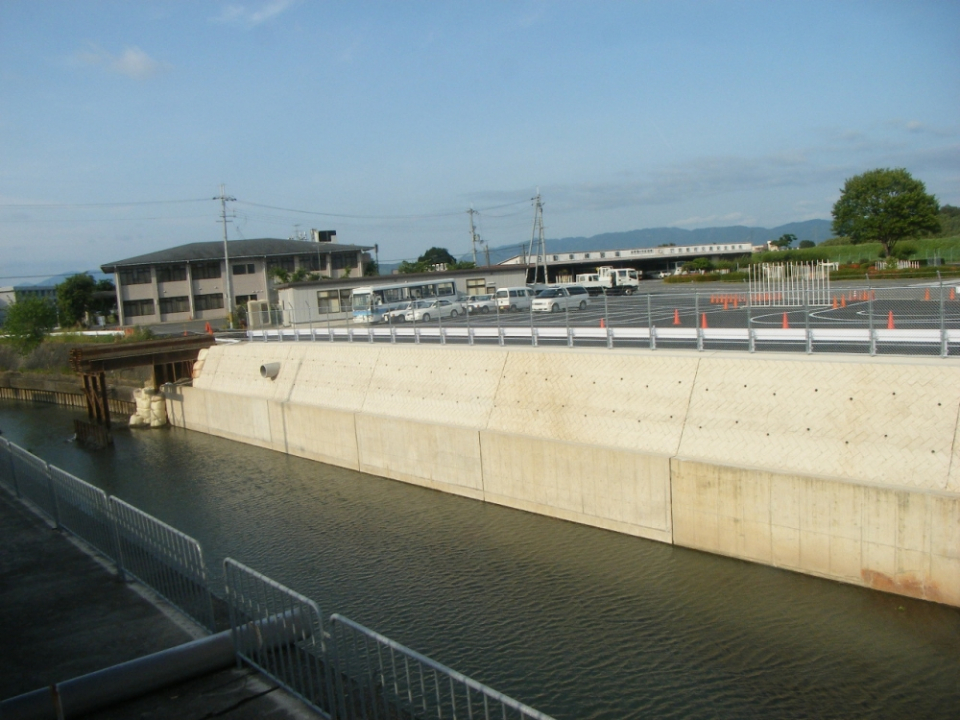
<point>236,369</point>
<point>338,377</point>
<point>427,454</point>
<point>902,541</point>
<point>631,401</point>
<point>428,384</point>
<point>320,434</point>
<point>877,422</point>
<point>613,489</point>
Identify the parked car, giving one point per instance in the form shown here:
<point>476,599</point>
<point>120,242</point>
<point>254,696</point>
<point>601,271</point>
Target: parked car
<point>396,314</point>
<point>427,310</point>
<point>514,299</point>
<point>481,303</point>
<point>555,299</point>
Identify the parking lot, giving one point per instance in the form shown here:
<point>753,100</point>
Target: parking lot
<point>882,318</point>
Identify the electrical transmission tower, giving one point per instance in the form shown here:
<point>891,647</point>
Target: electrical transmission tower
<point>538,239</point>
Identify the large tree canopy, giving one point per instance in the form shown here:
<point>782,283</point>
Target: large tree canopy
<point>75,297</point>
<point>884,206</point>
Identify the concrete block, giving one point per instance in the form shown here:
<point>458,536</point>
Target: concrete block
<point>880,515</point>
<point>336,430</point>
<point>845,558</point>
<point>944,581</point>
<point>785,546</point>
<point>878,560</point>
<point>815,552</point>
<point>786,494</point>
<point>756,541</point>
<point>913,522</point>
<point>945,526</point>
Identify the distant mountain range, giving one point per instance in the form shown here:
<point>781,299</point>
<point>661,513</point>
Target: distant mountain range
<point>815,230</point>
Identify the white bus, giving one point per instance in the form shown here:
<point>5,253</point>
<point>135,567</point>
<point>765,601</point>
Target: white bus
<point>371,302</point>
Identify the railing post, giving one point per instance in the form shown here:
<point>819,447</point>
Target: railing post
<point>696,319</point>
<point>533,339</point>
<point>806,322</point>
<point>751,335</point>
<point>944,346</point>
<point>54,500</point>
<point>873,332</point>
<point>566,317</point>
<point>651,331</point>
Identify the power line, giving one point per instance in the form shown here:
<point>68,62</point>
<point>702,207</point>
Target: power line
<point>47,206</point>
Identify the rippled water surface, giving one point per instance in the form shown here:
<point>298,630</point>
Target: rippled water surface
<point>578,622</point>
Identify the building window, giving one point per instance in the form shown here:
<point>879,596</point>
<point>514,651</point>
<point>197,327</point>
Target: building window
<point>171,273</point>
<point>570,256</point>
<point>174,305</point>
<point>586,256</point>
<point>213,301</point>
<point>309,262</point>
<point>206,271</point>
<point>242,300</point>
<point>244,269</point>
<point>342,261</point>
<point>137,308</point>
<point>603,254</point>
<point>284,263</point>
<point>478,285</point>
<point>617,253</point>
<point>332,301</point>
<point>135,276</point>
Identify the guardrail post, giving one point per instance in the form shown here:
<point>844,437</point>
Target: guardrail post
<point>944,348</point>
<point>806,323</point>
<point>533,340</point>
<point>651,330</point>
<point>696,320</point>
<point>566,317</point>
<point>873,332</point>
<point>54,500</point>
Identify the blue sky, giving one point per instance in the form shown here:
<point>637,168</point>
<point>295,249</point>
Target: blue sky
<point>386,121</point>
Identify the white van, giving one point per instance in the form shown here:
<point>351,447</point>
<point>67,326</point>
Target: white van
<point>514,299</point>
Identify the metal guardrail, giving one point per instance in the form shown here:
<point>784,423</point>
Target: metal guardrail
<point>302,666</point>
<point>164,558</point>
<point>915,320</point>
<point>33,482</point>
<point>84,511</point>
<point>353,673</point>
<point>395,681</point>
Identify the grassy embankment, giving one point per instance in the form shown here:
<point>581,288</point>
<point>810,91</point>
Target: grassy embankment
<point>856,261</point>
<point>52,356</point>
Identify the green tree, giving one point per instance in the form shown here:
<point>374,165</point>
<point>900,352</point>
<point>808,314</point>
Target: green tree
<point>804,244</point>
<point>75,298</point>
<point>371,269</point>
<point>28,321</point>
<point>885,206</point>
<point>949,221</point>
<point>784,241</point>
<point>437,256</point>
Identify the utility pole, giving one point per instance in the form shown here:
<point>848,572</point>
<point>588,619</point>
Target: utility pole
<point>537,237</point>
<point>223,198</point>
<point>473,235</point>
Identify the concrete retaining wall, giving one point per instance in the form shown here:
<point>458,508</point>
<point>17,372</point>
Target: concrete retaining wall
<point>841,467</point>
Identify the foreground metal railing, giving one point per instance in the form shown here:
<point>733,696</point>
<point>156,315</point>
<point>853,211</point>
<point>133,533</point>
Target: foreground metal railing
<point>350,673</point>
<point>392,680</point>
<point>301,667</point>
<point>165,559</point>
<point>921,319</point>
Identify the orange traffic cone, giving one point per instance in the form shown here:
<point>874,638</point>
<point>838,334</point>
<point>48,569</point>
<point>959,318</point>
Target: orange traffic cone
<point>786,322</point>
<point>834,302</point>
<point>703,320</point>
<point>926,294</point>
<point>890,325</point>
<point>603,323</point>
<point>726,304</point>
<point>676,317</point>
<point>843,301</point>
<point>953,294</point>
<point>208,329</point>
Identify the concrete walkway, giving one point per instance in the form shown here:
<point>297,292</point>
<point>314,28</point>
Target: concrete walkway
<point>64,614</point>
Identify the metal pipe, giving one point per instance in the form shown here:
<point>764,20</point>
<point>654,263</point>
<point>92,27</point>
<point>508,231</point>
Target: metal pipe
<point>87,693</point>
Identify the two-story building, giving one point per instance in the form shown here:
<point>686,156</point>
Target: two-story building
<point>188,282</point>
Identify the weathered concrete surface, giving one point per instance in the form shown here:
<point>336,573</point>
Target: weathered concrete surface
<point>64,614</point>
<point>789,460</point>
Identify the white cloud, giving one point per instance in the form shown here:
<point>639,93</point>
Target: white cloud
<point>252,16</point>
<point>133,62</point>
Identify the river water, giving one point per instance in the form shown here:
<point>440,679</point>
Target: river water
<point>575,621</point>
